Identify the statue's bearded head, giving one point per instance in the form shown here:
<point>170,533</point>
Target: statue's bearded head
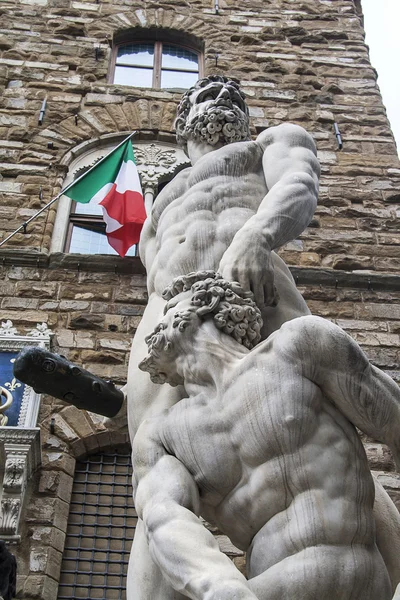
<point>192,299</point>
<point>214,112</point>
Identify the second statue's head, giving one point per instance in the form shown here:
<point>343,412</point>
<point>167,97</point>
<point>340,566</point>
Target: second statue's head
<point>214,112</point>
<point>192,300</point>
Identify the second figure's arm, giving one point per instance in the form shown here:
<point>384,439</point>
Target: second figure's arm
<point>167,500</point>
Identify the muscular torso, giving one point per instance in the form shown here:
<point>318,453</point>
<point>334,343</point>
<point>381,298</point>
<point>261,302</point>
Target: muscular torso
<point>265,453</point>
<point>196,216</point>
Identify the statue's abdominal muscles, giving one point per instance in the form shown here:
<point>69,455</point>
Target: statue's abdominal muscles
<point>196,227</point>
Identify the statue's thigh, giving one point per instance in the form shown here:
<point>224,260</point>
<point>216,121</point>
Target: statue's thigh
<point>145,581</point>
<point>334,572</point>
<point>387,521</point>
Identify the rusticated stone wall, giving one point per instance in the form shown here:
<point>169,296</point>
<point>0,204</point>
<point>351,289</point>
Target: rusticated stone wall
<point>302,61</point>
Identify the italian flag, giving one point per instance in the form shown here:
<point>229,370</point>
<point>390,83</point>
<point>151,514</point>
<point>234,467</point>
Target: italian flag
<point>115,185</point>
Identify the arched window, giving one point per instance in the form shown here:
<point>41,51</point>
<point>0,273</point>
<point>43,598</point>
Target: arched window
<point>101,526</point>
<point>156,59</point>
<point>79,228</point>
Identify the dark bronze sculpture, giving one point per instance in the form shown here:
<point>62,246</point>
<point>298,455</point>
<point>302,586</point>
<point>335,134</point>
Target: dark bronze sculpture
<point>52,374</point>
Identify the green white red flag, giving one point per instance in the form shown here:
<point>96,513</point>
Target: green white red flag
<point>114,184</point>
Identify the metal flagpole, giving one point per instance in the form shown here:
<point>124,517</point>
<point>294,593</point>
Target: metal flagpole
<point>24,225</point>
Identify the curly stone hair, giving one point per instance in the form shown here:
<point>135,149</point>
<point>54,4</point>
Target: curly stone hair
<point>233,310</point>
<point>185,106</point>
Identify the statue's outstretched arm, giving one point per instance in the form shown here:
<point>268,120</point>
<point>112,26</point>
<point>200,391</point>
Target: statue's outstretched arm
<point>291,172</point>
<point>331,359</point>
<point>167,500</point>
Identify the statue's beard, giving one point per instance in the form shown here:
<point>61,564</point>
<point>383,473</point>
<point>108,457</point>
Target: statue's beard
<point>218,125</point>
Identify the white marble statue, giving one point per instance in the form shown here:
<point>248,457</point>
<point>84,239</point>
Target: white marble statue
<point>238,202</point>
<point>265,447</point>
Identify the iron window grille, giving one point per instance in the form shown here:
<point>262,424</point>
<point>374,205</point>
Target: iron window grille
<point>101,527</point>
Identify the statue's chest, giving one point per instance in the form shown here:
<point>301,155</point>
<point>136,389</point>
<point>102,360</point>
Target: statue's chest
<point>200,439</point>
<point>233,161</point>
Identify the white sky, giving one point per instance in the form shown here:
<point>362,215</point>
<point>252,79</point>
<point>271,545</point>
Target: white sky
<point>382,26</point>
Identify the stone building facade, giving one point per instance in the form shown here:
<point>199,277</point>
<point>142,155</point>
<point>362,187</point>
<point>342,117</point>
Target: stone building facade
<point>300,61</point>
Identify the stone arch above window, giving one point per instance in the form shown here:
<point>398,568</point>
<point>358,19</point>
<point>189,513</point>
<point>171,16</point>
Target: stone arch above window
<point>156,58</point>
<point>80,229</point>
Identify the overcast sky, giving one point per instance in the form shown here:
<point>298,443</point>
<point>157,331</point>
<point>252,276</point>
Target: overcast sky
<point>382,26</point>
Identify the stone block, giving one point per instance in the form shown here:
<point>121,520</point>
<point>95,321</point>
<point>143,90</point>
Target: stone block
<point>63,430</point>
<point>85,6</point>
<point>84,339</point>
<point>78,449</point>
<point>33,587</point>
<point>58,460</point>
<point>10,187</point>
<point>38,561</point>
<point>115,344</point>
<point>107,357</point>
<point>65,339</point>
<point>91,444</point>
<point>51,511</point>
<point>42,290</point>
<point>91,321</point>
<point>12,119</point>
<point>226,546</point>
<point>50,536</point>
<point>49,482</point>
<point>74,305</point>
<point>77,420</point>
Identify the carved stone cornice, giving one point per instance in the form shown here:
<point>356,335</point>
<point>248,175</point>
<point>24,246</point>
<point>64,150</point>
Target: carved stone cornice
<point>21,448</point>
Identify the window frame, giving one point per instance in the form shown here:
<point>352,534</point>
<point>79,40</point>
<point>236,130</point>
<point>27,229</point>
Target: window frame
<point>157,67</point>
<point>158,161</point>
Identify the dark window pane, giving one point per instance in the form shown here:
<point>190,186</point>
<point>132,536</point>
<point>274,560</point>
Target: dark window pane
<point>176,79</point>
<point>174,57</point>
<point>136,54</point>
<point>134,76</point>
<point>85,241</point>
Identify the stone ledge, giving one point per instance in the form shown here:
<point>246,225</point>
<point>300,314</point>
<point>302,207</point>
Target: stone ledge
<point>345,279</point>
<point>96,262</point>
<point>17,257</point>
<point>132,265</point>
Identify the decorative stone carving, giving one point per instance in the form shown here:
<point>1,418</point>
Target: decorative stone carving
<point>229,444</point>
<point>21,448</point>
<point>266,433</point>
<point>41,331</point>
<point>20,441</point>
<point>13,474</point>
<point>156,163</point>
<point>10,509</point>
<point>7,329</point>
<point>231,209</point>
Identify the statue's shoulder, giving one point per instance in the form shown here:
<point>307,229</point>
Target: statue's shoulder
<point>182,175</point>
<point>287,133</point>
